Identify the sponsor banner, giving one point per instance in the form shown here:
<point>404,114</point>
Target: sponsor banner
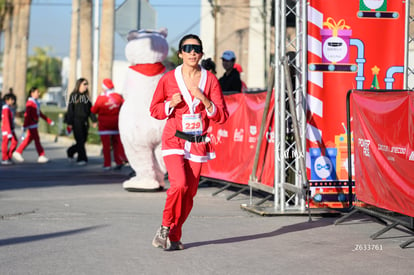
<point>236,140</point>
<point>346,45</point>
<point>383,127</point>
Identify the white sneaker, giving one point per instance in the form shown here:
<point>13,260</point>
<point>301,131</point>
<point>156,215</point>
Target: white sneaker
<point>17,157</point>
<point>42,159</point>
<point>81,163</point>
<point>6,162</point>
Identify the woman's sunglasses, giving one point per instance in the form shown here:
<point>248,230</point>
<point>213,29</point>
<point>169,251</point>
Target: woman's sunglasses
<point>189,47</point>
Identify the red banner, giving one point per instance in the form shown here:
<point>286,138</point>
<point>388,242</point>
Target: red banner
<point>235,141</point>
<point>383,128</point>
<point>347,42</point>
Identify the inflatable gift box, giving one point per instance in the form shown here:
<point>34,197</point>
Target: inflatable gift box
<point>335,42</point>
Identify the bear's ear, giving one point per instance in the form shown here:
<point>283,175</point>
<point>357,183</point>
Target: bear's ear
<point>163,32</point>
<point>133,34</point>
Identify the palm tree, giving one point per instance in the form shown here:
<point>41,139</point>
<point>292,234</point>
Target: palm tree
<point>21,45</point>
<point>73,55</point>
<point>86,39</point>
<point>11,61</point>
<point>106,43</point>
<point>16,47</point>
<point>3,11</point>
<point>6,11</point>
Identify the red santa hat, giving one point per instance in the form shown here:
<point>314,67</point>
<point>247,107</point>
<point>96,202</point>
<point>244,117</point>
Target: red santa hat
<point>107,84</point>
<point>238,67</point>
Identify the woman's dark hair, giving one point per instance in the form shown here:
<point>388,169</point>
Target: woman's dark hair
<point>34,88</point>
<point>209,65</point>
<point>8,96</point>
<point>78,83</point>
<point>189,36</point>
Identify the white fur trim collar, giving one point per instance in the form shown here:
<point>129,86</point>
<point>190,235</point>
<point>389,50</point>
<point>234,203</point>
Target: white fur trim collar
<point>192,104</point>
<point>35,101</point>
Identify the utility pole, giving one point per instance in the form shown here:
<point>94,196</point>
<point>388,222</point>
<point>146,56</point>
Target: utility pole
<point>95,53</point>
<point>139,15</point>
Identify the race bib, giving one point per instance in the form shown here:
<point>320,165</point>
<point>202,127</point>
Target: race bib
<point>192,124</point>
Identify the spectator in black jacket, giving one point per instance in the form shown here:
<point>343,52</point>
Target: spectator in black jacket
<point>77,119</point>
<point>230,82</point>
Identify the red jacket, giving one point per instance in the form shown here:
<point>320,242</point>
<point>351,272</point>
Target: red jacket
<point>7,126</point>
<point>171,83</point>
<point>107,108</point>
<point>32,114</point>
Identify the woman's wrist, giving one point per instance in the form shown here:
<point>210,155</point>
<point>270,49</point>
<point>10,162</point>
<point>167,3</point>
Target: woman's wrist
<point>209,105</point>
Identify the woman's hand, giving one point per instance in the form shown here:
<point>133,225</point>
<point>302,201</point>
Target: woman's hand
<point>196,92</point>
<point>175,100</point>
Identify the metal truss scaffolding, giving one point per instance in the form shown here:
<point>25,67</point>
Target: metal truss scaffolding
<point>290,50</point>
<point>409,84</point>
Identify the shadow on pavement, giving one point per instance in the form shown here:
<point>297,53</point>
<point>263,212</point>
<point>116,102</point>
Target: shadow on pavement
<point>59,172</point>
<point>33,238</point>
<point>283,230</point>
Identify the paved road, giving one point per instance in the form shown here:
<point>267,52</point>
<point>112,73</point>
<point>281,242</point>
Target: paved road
<point>57,218</point>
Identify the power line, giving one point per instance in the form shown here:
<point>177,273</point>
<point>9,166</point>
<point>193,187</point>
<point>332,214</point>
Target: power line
<point>59,3</point>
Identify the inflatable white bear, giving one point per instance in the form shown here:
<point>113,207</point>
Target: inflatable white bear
<point>140,133</point>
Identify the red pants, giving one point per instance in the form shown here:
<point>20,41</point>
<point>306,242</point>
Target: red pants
<point>32,134</point>
<point>6,151</point>
<point>119,154</point>
<point>184,176</point>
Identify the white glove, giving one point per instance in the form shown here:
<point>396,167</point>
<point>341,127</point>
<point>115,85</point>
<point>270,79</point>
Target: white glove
<point>52,123</point>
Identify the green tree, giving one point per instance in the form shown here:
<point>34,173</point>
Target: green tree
<point>173,58</point>
<point>43,71</point>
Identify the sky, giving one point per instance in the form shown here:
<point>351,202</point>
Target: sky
<point>50,22</point>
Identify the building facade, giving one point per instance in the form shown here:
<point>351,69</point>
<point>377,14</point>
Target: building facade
<point>243,26</point>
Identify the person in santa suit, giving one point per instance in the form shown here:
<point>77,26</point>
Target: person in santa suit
<point>107,108</point>
<point>189,97</point>
<point>7,129</point>
<point>31,120</point>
